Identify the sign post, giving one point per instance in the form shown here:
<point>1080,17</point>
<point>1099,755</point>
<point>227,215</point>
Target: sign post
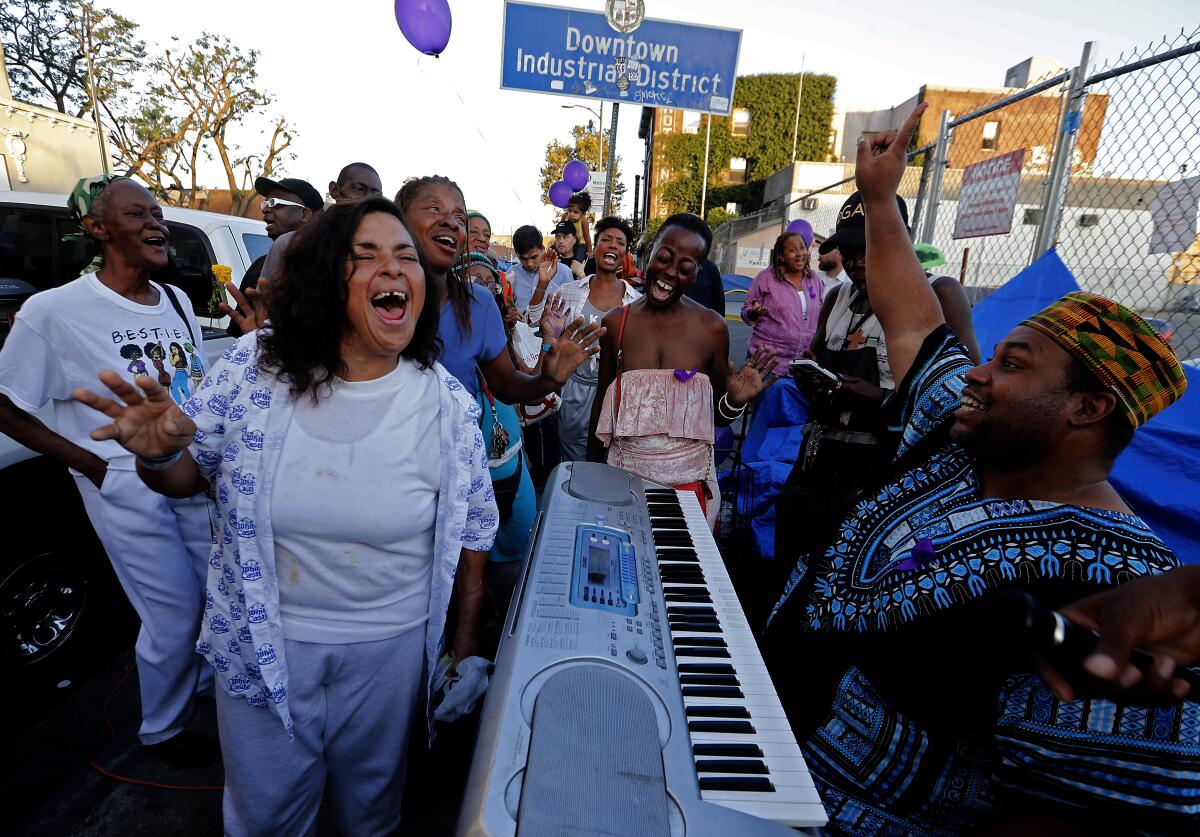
<point>612,162</point>
<point>989,196</point>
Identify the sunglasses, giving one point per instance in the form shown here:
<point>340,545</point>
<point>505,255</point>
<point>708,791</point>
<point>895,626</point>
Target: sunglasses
<point>271,203</point>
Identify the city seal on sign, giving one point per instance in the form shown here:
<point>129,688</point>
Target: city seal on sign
<point>625,15</point>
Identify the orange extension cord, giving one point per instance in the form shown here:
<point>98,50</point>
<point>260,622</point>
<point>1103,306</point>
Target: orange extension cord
<point>129,780</point>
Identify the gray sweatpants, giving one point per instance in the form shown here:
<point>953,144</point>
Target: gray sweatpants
<point>159,550</point>
<point>352,707</point>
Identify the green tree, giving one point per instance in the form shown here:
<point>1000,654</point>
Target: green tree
<point>651,229</point>
<point>771,101</point>
<point>584,145</point>
<point>46,45</point>
<point>718,215</point>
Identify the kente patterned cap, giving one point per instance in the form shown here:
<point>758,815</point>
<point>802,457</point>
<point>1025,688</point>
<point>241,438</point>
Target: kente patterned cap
<point>1121,349</point>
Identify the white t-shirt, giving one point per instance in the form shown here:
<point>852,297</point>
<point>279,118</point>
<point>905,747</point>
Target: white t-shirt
<point>64,337</point>
<point>353,507</point>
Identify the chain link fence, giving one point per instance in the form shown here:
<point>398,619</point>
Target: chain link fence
<point>1149,140</point>
<point>1095,155</point>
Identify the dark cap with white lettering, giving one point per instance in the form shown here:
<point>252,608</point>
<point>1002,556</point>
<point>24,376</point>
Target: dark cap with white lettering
<point>851,228</point>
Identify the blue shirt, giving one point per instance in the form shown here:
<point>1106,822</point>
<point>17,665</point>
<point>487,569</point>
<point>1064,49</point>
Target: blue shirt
<point>523,282</point>
<point>462,351</point>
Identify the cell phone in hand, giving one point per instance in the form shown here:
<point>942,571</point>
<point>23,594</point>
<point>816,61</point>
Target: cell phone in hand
<point>810,368</point>
<point>1051,634</point>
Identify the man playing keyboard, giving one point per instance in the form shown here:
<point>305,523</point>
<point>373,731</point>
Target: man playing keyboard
<point>918,713</point>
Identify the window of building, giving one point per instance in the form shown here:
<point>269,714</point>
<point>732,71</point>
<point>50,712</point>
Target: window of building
<point>990,132</point>
<point>691,122</point>
<point>737,169</point>
<point>741,122</point>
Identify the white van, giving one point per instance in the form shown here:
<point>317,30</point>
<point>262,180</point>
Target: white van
<point>32,251</point>
<point>53,574</point>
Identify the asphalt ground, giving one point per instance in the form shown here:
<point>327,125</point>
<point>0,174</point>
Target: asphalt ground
<point>72,764</point>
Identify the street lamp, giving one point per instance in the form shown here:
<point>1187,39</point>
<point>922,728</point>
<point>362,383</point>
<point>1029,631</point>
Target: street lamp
<point>599,128</point>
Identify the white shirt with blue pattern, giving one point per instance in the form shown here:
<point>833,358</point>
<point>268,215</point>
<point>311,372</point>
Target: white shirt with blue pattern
<point>242,414</point>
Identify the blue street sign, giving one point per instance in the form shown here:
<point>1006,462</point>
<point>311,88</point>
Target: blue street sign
<point>549,49</point>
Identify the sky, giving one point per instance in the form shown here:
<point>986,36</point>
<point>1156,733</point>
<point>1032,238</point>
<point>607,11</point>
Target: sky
<point>353,87</point>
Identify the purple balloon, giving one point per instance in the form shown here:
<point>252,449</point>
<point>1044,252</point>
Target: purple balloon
<point>804,229</point>
<point>576,175</point>
<point>560,193</point>
<point>426,24</point>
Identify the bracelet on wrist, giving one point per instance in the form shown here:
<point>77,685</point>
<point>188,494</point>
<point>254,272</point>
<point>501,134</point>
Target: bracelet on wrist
<point>727,410</point>
<point>546,347</point>
<point>159,463</point>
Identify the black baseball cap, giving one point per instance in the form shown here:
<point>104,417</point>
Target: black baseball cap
<point>302,189</point>
<point>851,229</point>
<point>565,228</point>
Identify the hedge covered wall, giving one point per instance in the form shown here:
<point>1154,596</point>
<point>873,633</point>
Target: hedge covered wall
<point>771,100</point>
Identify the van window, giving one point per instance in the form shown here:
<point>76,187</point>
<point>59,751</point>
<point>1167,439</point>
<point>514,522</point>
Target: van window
<point>189,268</point>
<point>26,246</point>
<point>256,245</point>
<point>73,256</point>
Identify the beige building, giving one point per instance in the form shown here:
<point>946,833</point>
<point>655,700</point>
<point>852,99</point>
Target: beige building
<point>42,150</point>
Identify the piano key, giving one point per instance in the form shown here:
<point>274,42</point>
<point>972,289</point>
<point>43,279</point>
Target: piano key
<point>740,727</point>
<point>709,680</point>
<point>698,627</point>
<point>731,766</point>
<point>728,750</point>
<point>679,555</point>
<point>701,652</point>
<point>705,668</point>
<point>715,711</point>
<point>712,691</point>
<point>700,641</point>
<point>737,783</point>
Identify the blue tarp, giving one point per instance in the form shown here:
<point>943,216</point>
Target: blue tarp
<point>1158,475</point>
<point>768,452</point>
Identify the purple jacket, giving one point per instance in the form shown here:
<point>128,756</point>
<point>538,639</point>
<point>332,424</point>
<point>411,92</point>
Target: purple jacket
<point>791,317</point>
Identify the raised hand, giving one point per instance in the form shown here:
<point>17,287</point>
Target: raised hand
<point>554,318</point>
<point>881,159</point>
<point>149,426</point>
<point>251,311</point>
<point>744,385</point>
<point>548,267</point>
<point>568,352</point>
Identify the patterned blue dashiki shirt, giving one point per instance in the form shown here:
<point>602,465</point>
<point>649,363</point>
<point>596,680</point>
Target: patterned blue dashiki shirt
<point>917,720</point>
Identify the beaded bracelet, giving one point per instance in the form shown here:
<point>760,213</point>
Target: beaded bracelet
<point>159,463</point>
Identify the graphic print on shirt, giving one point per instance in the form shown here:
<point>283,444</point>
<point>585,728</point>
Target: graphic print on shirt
<point>157,355</point>
<point>195,365</point>
<point>132,352</point>
<point>179,383</point>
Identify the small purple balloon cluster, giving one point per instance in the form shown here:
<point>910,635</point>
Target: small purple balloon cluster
<point>575,176</point>
<point>425,23</point>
